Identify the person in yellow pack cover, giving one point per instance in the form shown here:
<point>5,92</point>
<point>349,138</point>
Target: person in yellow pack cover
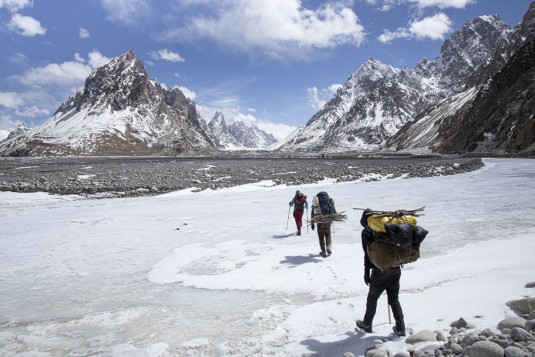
<point>379,280</point>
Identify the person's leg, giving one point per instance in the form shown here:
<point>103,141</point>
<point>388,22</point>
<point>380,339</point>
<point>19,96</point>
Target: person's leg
<point>328,240</point>
<point>296,219</point>
<point>298,215</point>
<point>392,292</point>
<point>377,286</point>
<point>321,237</point>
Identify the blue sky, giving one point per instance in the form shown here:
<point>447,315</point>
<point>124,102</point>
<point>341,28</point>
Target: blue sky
<point>272,62</point>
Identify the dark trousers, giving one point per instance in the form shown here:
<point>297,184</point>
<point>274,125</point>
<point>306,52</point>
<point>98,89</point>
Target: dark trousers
<point>380,281</point>
<point>324,235</point>
<point>298,216</point>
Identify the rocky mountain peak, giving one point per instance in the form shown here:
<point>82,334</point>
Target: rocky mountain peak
<point>121,83</point>
<point>527,28</point>
<point>218,120</point>
<point>468,49</point>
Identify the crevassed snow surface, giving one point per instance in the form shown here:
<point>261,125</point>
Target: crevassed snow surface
<point>217,273</point>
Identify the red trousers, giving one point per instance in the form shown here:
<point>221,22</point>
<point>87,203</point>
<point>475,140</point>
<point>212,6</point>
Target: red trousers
<point>298,215</point>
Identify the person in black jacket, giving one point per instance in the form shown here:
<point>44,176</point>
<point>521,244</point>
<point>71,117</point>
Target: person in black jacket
<point>379,281</point>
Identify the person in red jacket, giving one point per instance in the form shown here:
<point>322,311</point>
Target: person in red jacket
<point>299,202</point>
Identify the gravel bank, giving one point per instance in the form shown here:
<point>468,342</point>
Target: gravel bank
<point>137,176</point>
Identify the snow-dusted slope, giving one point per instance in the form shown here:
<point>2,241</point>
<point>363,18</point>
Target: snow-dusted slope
<point>422,135</point>
<point>378,99</point>
<point>119,112</point>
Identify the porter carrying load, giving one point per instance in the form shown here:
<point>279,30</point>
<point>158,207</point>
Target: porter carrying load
<point>396,237</point>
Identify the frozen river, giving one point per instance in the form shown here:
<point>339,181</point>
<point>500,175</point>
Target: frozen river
<point>201,274</point>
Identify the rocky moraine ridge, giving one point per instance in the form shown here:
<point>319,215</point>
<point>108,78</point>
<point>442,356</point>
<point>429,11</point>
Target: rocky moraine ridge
<point>137,176</point>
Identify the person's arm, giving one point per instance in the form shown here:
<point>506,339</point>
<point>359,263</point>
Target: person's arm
<point>367,237</point>
<point>312,215</point>
<point>292,202</point>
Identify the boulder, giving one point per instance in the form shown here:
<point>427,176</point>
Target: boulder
<point>519,334</point>
<point>486,349</point>
<point>511,322</point>
<point>422,336</point>
<point>376,353</point>
<point>530,325</point>
<point>472,338</point>
<point>524,306</point>
<point>513,351</point>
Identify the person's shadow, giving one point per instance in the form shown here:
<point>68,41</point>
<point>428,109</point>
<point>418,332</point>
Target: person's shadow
<point>356,342</point>
<point>300,259</point>
<point>280,236</point>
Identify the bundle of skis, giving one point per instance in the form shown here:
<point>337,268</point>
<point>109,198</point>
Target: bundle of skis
<point>327,218</point>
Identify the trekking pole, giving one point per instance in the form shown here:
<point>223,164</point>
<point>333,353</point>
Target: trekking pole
<point>288,220</point>
<point>307,219</point>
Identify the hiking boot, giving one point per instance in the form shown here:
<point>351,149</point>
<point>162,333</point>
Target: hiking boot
<point>329,252</point>
<point>323,254</point>
<point>399,333</point>
<point>298,233</point>
<point>361,325</point>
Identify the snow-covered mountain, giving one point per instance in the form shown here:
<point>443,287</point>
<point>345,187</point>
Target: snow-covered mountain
<point>496,116</point>
<point>120,111</point>
<point>378,100</point>
<point>237,135</point>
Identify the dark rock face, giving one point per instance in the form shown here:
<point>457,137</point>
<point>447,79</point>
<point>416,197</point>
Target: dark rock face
<point>502,116</point>
<point>494,115</point>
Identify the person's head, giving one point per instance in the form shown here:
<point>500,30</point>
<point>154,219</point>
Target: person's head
<point>297,193</point>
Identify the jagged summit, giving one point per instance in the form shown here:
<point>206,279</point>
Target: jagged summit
<point>120,111</point>
<point>238,134</point>
<point>378,99</point>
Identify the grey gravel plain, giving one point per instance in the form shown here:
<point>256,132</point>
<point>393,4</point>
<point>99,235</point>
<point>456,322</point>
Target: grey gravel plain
<point>137,176</point>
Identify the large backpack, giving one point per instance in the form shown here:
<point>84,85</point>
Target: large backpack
<point>326,205</point>
<point>397,240</point>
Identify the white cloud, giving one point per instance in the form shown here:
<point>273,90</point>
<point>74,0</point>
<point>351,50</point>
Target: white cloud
<point>433,27</point>
<point>84,33</point>
<point>276,28</point>
<point>14,5</point>
<point>58,74</point>
<point>96,59</point>
<point>443,4</point>
<point>8,123</point>
<point>125,12</point>
<point>279,131</point>
<point>64,75</point>
<point>166,55</point>
<point>388,36</point>
<point>319,97</point>
<point>32,112</point>
<point>18,58</point>
<point>188,93</point>
<point>25,26</point>
<point>11,99</point>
